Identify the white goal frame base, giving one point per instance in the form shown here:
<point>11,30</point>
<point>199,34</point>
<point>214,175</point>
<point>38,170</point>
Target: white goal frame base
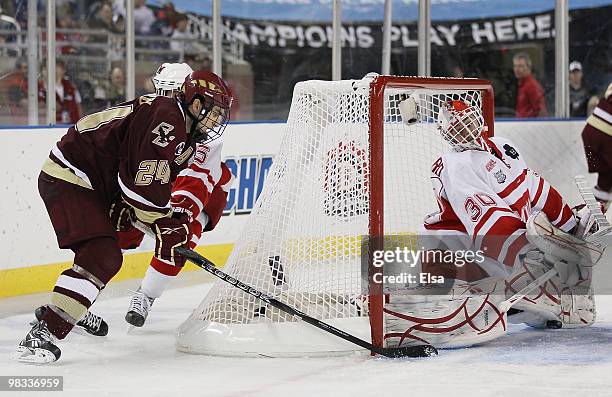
<point>268,339</point>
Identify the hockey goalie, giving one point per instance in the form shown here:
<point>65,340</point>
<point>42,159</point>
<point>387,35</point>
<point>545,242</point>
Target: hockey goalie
<point>490,201</point>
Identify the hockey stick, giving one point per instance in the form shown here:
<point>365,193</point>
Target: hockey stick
<point>392,352</point>
<point>508,303</point>
<point>594,207</point>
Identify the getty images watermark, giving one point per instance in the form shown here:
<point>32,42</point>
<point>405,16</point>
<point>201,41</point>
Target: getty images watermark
<point>408,258</point>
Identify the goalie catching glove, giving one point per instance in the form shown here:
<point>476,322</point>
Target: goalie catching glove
<point>573,257</point>
<point>171,233</point>
<point>558,245</point>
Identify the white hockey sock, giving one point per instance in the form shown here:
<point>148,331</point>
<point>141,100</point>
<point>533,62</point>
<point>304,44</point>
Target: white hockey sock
<point>154,283</point>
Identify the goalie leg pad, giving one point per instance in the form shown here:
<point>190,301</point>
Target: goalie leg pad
<point>469,315</point>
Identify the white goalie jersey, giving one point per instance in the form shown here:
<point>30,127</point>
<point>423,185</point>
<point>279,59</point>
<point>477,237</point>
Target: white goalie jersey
<point>488,194</point>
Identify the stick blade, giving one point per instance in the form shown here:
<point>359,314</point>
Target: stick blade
<point>410,351</point>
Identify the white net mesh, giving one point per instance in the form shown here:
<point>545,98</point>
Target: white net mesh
<point>301,243</point>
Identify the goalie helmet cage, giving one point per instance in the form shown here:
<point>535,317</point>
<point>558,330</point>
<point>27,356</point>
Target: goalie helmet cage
<point>348,169</point>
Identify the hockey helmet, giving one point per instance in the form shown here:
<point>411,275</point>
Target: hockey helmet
<point>170,77</point>
<point>216,100</point>
<point>460,124</point>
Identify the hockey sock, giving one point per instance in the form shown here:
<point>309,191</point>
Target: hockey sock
<point>157,277</point>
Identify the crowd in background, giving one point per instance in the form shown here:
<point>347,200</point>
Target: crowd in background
<point>91,65</point>
<point>91,53</point>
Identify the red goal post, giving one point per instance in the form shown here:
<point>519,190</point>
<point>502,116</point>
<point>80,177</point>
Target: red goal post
<point>378,86</point>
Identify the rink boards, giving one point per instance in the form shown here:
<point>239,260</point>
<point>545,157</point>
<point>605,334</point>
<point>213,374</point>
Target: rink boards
<point>31,260</point>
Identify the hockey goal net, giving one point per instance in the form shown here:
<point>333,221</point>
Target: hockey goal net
<point>348,168</point>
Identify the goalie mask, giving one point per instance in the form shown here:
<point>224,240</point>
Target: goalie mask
<point>460,124</point>
<point>216,100</point>
<point>170,77</point>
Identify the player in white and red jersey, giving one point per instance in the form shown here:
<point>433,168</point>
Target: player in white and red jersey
<point>490,201</point>
<point>200,191</point>
<point>485,189</point>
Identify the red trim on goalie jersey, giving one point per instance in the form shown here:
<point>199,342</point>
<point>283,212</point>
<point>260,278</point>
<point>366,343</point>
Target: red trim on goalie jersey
<point>502,239</point>
<point>512,186</point>
<point>557,211</point>
<point>548,199</point>
<point>445,219</point>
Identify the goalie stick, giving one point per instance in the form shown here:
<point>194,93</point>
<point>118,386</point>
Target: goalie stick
<point>202,262</point>
<point>594,207</point>
<point>508,303</point>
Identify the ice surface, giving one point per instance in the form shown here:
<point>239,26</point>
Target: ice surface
<point>144,362</point>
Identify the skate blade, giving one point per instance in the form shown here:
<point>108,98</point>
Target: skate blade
<point>33,356</point>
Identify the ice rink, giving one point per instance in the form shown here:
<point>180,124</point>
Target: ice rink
<point>144,362</point>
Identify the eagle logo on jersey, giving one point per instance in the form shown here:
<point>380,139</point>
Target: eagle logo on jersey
<point>500,176</point>
<point>164,134</point>
<point>179,148</point>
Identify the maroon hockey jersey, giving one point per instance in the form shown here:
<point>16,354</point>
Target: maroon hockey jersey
<point>134,149</point>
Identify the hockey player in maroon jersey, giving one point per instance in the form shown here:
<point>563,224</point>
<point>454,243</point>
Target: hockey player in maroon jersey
<point>490,201</point>
<point>200,191</point>
<point>597,139</point>
<point>109,166</point>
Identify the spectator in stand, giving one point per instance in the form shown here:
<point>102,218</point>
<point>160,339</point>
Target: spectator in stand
<point>116,89</point>
<point>104,18</point>
<point>530,100</point>
<point>184,40</point>
<point>16,85</point>
<point>166,20</point>
<point>67,96</point>
<point>579,93</point>
<point>143,18</point>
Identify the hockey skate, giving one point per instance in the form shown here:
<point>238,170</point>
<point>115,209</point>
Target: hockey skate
<point>139,309</point>
<point>90,323</point>
<point>38,347</point>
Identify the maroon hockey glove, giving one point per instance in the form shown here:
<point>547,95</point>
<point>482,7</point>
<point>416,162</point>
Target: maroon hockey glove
<point>169,234</point>
<point>121,215</point>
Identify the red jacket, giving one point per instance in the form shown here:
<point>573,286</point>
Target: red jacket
<point>68,107</point>
<point>530,101</point>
